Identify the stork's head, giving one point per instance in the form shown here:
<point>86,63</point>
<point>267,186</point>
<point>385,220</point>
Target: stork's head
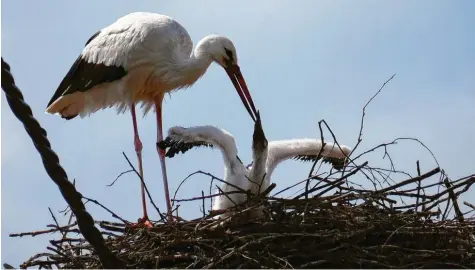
<point>222,51</point>
<point>259,141</point>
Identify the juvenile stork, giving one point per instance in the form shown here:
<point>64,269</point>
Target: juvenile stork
<point>266,156</point>
<point>138,59</point>
<point>236,176</point>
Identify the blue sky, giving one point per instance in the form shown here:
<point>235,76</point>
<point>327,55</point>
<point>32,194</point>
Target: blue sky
<point>303,61</point>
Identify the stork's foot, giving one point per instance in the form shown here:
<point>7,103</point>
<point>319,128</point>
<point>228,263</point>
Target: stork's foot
<point>141,223</point>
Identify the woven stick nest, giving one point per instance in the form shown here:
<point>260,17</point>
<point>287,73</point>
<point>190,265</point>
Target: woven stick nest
<point>352,228</point>
<point>331,224</point>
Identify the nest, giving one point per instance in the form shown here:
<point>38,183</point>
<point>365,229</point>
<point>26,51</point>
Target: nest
<point>331,224</point>
<point>351,228</point>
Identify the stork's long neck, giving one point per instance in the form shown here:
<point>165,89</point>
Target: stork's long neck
<point>232,165</point>
<point>258,170</point>
<point>196,65</point>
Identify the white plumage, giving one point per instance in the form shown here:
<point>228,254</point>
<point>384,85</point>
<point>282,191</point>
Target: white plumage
<point>266,156</point>
<point>282,150</point>
<point>138,59</point>
<point>234,170</point>
<point>157,55</point>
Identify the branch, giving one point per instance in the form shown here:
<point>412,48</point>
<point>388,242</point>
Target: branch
<point>51,163</point>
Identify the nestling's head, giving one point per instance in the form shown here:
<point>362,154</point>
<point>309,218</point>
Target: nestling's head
<point>259,140</point>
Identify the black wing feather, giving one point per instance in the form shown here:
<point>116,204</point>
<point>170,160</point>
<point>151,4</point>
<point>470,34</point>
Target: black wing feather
<point>337,163</point>
<point>83,76</point>
<point>175,147</point>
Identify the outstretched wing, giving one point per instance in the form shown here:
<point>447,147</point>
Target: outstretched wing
<point>175,147</point>
<point>337,163</point>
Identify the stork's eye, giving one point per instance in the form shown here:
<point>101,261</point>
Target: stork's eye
<point>230,55</point>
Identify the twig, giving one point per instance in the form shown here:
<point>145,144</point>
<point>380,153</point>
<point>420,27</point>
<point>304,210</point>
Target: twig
<point>412,180</point>
<point>35,233</point>
<point>458,213</point>
<point>56,222</point>
<point>418,186</point>
<point>337,181</point>
<point>162,217</point>
<point>117,178</point>
<point>203,201</point>
<point>364,113</point>
<point>114,215</point>
<point>469,205</point>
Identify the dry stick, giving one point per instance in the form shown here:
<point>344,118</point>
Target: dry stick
<point>56,222</point>
<point>333,184</point>
<point>316,160</point>
<point>162,217</point>
<point>226,195</point>
<point>206,196</point>
<point>454,200</point>
<point>190,175</point>
<point>469,205</point>
<point>298,183</point>
<point>51,163</point>
<point>364,113</point>
<point>114,215</point>
<point>35,233</point>
<point>412,180</point>
<point>203,194</point>
<point>268,190</point>
<point>216,178</point>
<point>436,197</point>
<point>448,208</point>
<point>419,187</point>
<point>339,147</point>
<point>438,184</point>
<point>117,178</point>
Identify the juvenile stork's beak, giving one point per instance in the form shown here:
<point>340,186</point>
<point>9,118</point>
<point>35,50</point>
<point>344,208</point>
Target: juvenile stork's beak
<point>234,73</point>
<point>259,141</point>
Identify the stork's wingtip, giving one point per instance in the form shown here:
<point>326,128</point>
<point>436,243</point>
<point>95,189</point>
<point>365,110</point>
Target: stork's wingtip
<point>163,144</point>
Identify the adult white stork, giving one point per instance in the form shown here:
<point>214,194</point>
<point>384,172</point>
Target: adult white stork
<point>266,156</point>
<point>138,59</point>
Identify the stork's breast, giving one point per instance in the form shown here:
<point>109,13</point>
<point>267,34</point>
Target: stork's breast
<point>144,84</point>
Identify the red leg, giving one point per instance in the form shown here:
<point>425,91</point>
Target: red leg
<point>138,149</point>
<point>161,153</point>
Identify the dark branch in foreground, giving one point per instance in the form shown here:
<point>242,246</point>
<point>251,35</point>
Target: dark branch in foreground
<point>51,162</point>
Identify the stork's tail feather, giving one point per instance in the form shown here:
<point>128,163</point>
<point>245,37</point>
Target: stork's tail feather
<point>68,107</point>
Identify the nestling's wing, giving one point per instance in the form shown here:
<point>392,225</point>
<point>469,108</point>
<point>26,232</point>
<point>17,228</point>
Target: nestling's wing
<point>175,146</point>
<point>337,163</point>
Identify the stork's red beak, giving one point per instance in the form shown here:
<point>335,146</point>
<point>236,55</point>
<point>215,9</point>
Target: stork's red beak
<point>234,73</point>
